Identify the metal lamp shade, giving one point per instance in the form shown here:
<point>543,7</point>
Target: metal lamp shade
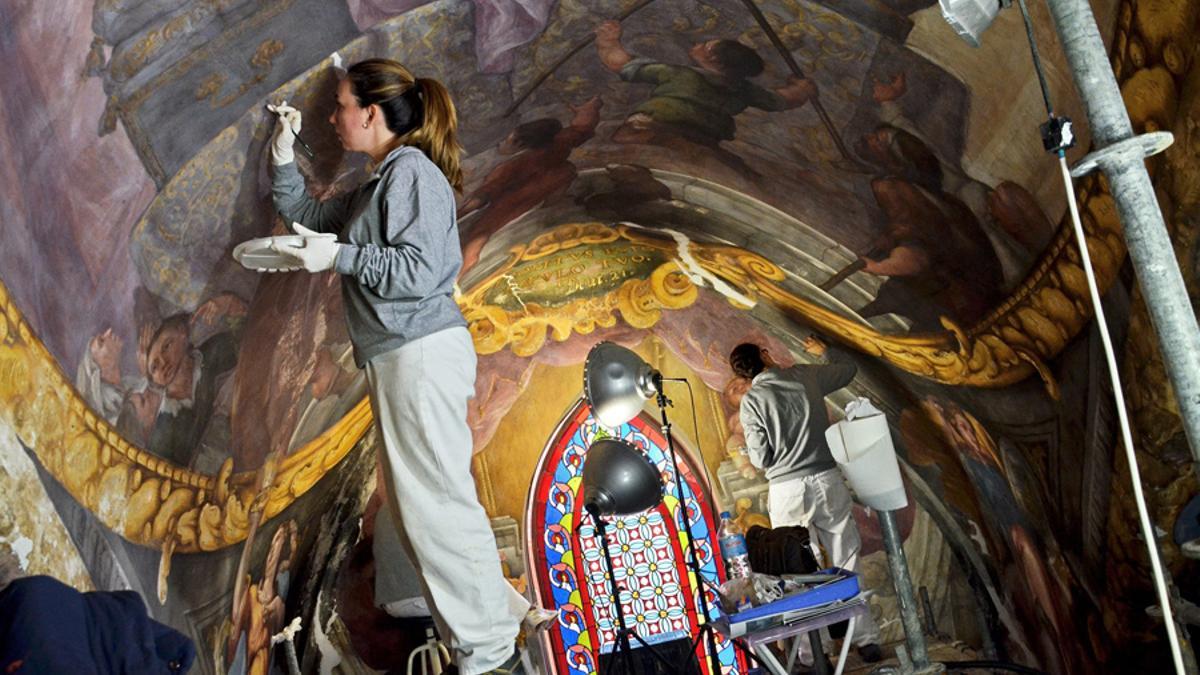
<point>616,382</point>
<point>618,479</point>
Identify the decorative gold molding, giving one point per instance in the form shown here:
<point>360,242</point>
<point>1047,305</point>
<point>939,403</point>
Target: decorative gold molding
<point>564,281</point>
<point>146,499</point>
<point>572,279</point>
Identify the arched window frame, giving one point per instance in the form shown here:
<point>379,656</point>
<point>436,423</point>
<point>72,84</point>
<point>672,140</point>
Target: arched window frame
<point>556,481</point>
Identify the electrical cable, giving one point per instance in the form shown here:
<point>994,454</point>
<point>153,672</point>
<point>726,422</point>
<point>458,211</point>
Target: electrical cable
<point>1056,138</point>
<point>748,653</point>
<point>1123,417</point>
<point>1037,61</point>
<point>695,427</point>
<point>1056,132</point>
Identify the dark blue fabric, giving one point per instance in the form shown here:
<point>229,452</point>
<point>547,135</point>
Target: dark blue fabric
<point>49,627</point>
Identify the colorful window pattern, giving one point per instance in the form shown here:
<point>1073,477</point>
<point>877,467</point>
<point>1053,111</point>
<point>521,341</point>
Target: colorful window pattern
<point>649,552</point>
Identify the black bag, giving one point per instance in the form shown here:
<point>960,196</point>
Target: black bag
<point>785,550</point>
<point>782,550</point>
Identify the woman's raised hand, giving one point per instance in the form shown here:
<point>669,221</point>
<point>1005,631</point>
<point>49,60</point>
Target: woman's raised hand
<point>287,125</point>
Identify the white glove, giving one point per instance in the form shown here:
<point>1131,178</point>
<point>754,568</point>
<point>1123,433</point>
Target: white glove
<point>316,254</point>
<point>287,125</point>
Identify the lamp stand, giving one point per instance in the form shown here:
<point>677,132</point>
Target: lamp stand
<point>621,652</point>
<point>707,630</point>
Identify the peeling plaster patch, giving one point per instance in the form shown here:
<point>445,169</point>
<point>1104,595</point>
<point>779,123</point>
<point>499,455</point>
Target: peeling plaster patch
<point>30,527</point>
<point>330,657</point>
<point>23,546</point>
<point>691,267</point>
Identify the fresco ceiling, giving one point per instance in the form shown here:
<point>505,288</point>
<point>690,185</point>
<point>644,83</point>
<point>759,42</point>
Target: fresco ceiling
<point>766,198</point>
<point>855,173</point>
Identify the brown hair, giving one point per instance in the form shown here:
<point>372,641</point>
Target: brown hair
<point>180,322</point>
<point>417,109</point>
<point>736,59</point>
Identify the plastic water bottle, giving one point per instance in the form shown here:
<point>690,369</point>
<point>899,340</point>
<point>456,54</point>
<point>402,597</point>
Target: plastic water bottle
<point>733,548</point>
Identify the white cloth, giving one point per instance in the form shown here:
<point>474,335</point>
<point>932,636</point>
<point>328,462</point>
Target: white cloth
<point>419,395</point>
<point>822,502</point>
<point>102,397</point>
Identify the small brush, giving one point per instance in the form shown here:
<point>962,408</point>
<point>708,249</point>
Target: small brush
<point>303,146</point>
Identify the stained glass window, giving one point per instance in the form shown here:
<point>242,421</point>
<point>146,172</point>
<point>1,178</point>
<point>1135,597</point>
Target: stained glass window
<point>649,551</point>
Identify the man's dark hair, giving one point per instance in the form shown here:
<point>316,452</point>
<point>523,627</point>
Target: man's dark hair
<point>538,133</point>
<point>746,360</point>
<point>736,59</point>
<point>181,321</point>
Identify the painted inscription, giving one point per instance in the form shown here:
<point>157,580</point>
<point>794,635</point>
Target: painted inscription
<point>559,277</point>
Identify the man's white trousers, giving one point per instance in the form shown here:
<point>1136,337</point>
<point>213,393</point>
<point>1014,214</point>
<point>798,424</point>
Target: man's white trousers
<point>821,502</point>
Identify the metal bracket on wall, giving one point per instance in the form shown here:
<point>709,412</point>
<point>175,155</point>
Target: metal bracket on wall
<point>1133,148</point>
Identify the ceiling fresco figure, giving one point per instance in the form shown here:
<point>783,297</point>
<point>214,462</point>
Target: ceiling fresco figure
<point>502,27</point>
<point>668,185</point>
<point>188,397</point>
<point>179,405</point>
<point>292,323</point>
<point>539,169</point>
<point>628,187</point>
<point>903,89</point>
<point>1007,215</point>
<point>1045,593</point>
<point>696,104</point>
<point>936,258</point>
<point>933,248</point>
<point>258,607</point>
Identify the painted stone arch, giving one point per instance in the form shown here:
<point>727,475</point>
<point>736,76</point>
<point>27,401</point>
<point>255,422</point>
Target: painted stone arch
<point>649,551</point>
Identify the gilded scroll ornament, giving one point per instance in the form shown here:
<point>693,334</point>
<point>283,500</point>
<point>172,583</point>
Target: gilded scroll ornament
<point>570,280</point>
<point>142,497</point>
<point>556,278</point>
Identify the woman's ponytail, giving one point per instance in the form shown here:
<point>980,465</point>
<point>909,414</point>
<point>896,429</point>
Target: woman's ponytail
<point>418,110</point>
<point>437,135</point>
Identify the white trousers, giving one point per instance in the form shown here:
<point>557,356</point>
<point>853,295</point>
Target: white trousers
<point>419,395</point>
<point>397,580</point>
<point>822,502</point>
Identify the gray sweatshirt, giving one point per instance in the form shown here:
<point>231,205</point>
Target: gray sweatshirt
<point>400,251</point>
<point>784,418</point>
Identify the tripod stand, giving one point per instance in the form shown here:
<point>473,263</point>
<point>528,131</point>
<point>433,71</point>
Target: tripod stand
<point>621,652</point>
<point>707,630</point>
